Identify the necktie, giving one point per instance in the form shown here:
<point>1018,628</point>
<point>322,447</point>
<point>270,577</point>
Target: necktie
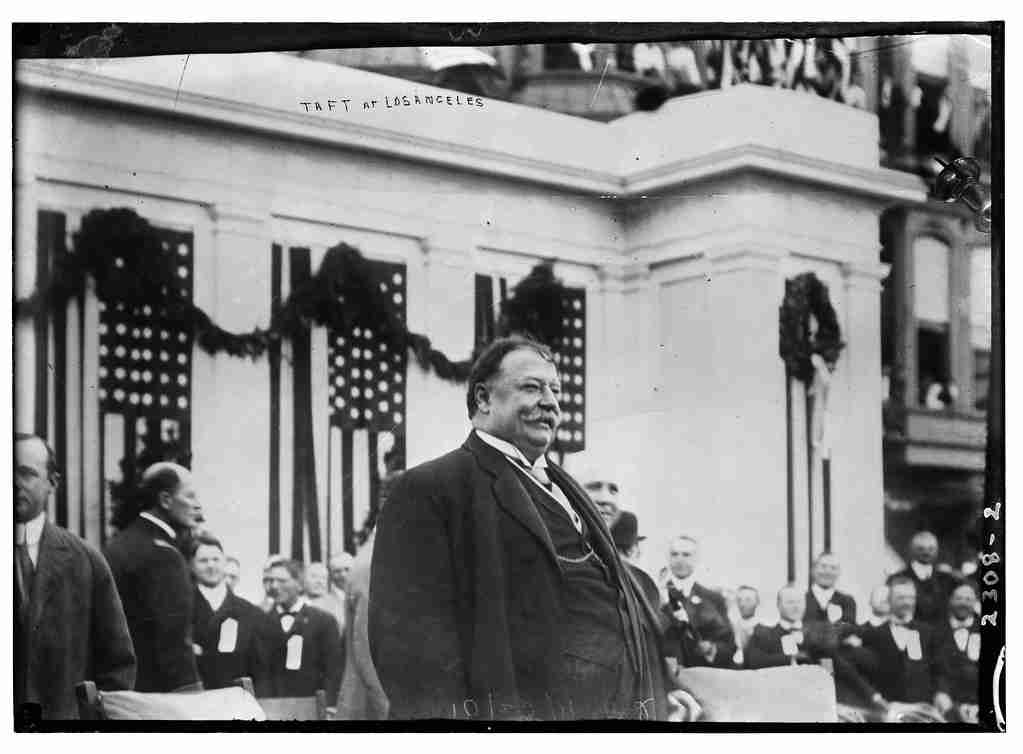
<point>539,473</point>
<point>26,572</point>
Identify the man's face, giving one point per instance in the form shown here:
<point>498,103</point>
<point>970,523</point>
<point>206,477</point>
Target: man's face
<point>32,484</point>
<point>208,565</point>
<point>316,581</point>
<point>825,571</point>
<point>747,601</point>
<point>285,587</point>
<point>924,548</point>
<point>182,505</point>
<point>268,585</point>
<point>605,497</point>
<point>880,603</point>
<point>339,570</point>
<point>521,404</point>
<point>231,573</point>
<point>962,602</point>
<point>903,599</point>
<point>791,605</point>
<point>682,558</point>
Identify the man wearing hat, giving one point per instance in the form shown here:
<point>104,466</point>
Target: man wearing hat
<point>625,533</point>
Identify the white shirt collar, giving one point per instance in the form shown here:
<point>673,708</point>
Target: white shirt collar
<point>31,531</point>
<point>749,622</point>
<point>791,626</point>
<point>215,595</point>
<point>511,451</point>
<point>956,623</point>
<point>923,571</point>
<point>299,604</point>
<point>162,524</point>
<point>683,585</point>
<point>877,621</point>
<point>822,595</point>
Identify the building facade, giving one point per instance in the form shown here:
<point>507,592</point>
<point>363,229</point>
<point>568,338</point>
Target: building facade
<point>678,251</point>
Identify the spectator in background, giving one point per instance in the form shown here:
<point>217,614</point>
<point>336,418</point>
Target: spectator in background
<point>880,608</point>
<point>625,533</point>
<point>698,631</point>
<point>785,642</point>
<point>933,584</point>
<point>320,594</point>
<point>747,601</point>
<point>824,603</point>
<point>333,600</point>
<point>154,580</point>
<point>308,654</point>
<point>69,625</point>
<point>269,595</point>
<point>232,572</point>
<point>604,495</point>
<point>958,650</point>
<point>362,696</point>
<point>232,636</point>
<point>904,649</point>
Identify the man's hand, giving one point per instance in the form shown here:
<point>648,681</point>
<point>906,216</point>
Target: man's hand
<point>943,702</point>
<point>708,649</point>
<point>682,707</point>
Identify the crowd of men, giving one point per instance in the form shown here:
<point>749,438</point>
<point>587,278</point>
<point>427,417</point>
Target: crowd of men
<point>493,580</point>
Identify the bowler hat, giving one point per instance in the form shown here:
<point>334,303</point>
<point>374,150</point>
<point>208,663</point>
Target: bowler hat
<point>625,531</point>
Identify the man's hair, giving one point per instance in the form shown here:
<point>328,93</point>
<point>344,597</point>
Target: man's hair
<point>684,538</point>
<point>203,538</point>
<point>899,580</point>
<point>163,478</point>
<point>748,588</point>
<point>825,554</point>
<point>51,457</point>
<point>293,567</point>
<point>488,363</point>
<point>968,584</point>
<point>232,559</point>
<point>274,560</point>
<point>791,586</point>
<point>924,534</point>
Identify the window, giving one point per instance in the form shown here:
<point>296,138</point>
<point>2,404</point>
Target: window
<point>931,306</point>
<point>980,322</point>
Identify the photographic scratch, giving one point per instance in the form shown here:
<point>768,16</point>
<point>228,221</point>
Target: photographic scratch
<point>180,79</point>
<point>600,82</point>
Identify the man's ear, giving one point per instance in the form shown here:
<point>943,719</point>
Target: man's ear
<point>55,480</point>
<point>482,395</point>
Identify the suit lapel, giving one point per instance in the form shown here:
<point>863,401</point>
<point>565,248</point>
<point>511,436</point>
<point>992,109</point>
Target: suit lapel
<point>54,555</point>
<point>508,491</point>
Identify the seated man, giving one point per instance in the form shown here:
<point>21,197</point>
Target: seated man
<point>958,650</point>
<point>904,649</point>
<point>308,655</point>
<point>824,603</point>
<point>794,642</point>
<point>698,632</point>
<point>747,600</point>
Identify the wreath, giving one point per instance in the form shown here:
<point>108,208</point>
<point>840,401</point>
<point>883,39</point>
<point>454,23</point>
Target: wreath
<point>808,326</point>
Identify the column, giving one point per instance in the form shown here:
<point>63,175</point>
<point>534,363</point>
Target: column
<point>230,417</point>
<point>857,497</point>
<point>25,209</point>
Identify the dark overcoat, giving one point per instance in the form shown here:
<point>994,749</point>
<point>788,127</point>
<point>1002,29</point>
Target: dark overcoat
<point>322,658</point>
<point>156,589</point>
<point>465,596</point>
<point>74,629</point>
<point>220,662</point>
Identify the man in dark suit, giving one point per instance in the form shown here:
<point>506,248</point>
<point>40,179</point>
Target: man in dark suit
<point>625,533</point>
<point>307,655</point>
<point>698,631</point>
<point>824,603</point>
<point>69,625</point>
<point>958,648</point>
<point>232,637</point>
<point>904,649</point>
<point>153,579</point>
<point>496,590</point>
<point>794,641</point>
<point>934,584</point>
